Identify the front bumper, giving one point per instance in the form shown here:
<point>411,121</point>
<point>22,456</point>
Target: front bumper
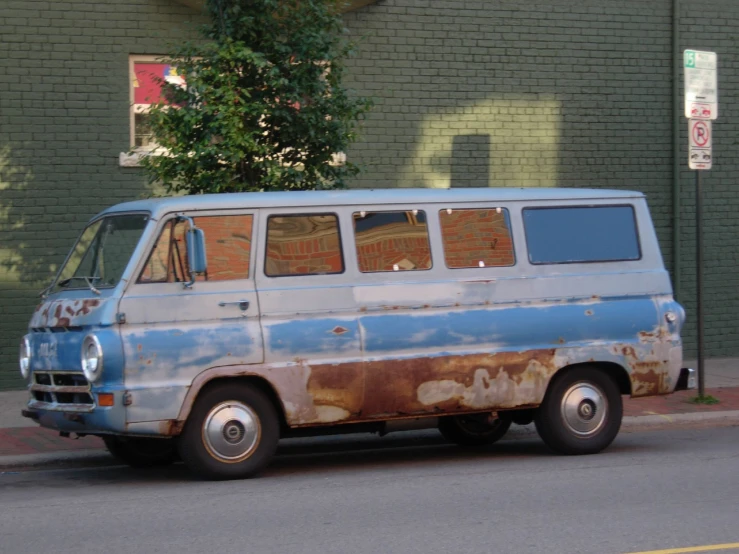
<point>30,414</point>
<point>66,401</point>
<point>688,379</point>
<point>101,421</point>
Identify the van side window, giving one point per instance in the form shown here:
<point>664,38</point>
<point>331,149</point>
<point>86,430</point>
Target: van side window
<point>392,241</point>
<point>303,245</point>
<point>581,234</point>
<point>227,245</point>
<point>167,261</point>
<point>476,238</point>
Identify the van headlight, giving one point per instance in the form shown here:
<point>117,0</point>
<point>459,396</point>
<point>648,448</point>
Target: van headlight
<point>24,358</point>
<point>92,358</point>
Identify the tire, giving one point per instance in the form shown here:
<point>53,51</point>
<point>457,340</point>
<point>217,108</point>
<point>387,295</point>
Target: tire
<point>142,452</point>
<point>581,412</point>
<point>474,429</point>
<point>232,433</point>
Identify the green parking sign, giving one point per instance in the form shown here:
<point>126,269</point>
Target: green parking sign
<point>690,58</point>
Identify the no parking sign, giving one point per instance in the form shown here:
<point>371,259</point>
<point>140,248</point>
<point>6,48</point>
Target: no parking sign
<point>700,152</point>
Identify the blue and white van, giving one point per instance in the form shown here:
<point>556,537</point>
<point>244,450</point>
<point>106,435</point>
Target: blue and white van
<point>208,327</point>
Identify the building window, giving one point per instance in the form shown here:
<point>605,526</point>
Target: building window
<point>227,245</point>
<point>147,74</point>
<point>303,245</point>
<point>476,238</point>
<point>581,234</point>
<point>392,241</point>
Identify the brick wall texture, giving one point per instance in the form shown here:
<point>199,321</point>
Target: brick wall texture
<point>467,93</point>
<point>64,109</point>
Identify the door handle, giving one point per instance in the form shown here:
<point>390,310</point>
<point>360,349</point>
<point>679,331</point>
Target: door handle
<point>242,304</point>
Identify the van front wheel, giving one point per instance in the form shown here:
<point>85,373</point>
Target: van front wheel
<point>232,433</point>
<point>581,412</point>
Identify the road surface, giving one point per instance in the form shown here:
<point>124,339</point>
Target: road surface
<point>405,493</point>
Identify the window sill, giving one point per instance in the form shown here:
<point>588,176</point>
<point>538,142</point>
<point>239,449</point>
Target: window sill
<point>134,157</point>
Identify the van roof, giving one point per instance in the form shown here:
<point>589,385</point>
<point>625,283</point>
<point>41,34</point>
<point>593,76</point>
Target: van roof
<point>161,206</point>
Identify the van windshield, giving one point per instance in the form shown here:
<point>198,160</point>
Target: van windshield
<point>102,252</point>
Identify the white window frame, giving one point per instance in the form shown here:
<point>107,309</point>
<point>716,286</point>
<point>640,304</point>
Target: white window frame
<point>133,156</point>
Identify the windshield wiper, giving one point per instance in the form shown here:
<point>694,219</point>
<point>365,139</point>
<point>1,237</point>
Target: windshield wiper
<point>87,280</point>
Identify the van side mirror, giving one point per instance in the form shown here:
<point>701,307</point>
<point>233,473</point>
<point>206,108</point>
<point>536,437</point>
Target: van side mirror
<point>196,258</point>
<point>196,250</point>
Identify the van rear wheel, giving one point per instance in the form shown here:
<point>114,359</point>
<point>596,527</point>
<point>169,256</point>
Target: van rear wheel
<point>232,432</point>
<point>581,412</point>
<point>474,429</point>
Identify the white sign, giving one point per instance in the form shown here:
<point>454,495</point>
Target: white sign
<point>701,84</point>
<point>700,152</point>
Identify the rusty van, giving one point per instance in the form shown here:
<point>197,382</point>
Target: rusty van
<point>205,328</point>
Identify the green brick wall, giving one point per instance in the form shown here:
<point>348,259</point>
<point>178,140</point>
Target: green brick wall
<point>468,93</point>
<point>64,101</point>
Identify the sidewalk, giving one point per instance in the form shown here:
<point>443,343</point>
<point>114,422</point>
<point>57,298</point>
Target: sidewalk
<point>22,440</point>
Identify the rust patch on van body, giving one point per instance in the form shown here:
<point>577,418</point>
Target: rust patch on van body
<point>62,313</point>
<point>394,388</point>
<point>336,391</point>
<point>651,362</point>
<point>457,383</point>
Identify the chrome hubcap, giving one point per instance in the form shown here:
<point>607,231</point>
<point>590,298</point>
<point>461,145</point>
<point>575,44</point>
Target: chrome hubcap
<point>584,408</point>
<point>231,431</point>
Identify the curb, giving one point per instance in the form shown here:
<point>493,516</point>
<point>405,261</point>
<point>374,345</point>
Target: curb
<point>727,418</point>
<point>631,424</point>
<point>58,460</point>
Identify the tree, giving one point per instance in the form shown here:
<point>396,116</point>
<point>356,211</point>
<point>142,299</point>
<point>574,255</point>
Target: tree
<point>263,107</point>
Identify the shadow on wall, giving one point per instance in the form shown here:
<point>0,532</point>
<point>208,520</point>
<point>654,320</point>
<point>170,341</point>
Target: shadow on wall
<point>508,141</point>
<point>470,161</point>
<point>20,267</point>
<point>20,262</point>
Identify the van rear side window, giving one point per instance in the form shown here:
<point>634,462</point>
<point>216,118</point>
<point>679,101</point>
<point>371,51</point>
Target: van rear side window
<point>392,241</point>
<point>303,245</point>
<point>476,238</point>
<point>581,234</point>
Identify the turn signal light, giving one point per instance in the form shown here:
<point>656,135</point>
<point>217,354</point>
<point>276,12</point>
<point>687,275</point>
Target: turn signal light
<point>105,399</point>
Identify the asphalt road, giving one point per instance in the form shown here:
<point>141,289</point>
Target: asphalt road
<point>405,494</point>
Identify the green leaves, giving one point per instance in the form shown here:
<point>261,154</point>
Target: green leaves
<point>264,107</point>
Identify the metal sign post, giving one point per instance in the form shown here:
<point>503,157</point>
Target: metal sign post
<point>699,280</point>
<point>701,106</point>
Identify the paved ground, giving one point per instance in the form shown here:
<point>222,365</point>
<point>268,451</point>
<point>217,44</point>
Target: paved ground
<point>650,491</point>
<point>21,438</point>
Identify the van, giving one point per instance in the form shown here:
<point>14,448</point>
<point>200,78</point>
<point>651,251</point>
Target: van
<point>205,328</point>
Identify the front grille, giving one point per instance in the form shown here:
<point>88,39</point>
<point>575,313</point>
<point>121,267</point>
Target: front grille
<point>69,380</point>
<point>71,328</point>
<point>42,378</point>
<point>63,391</point>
